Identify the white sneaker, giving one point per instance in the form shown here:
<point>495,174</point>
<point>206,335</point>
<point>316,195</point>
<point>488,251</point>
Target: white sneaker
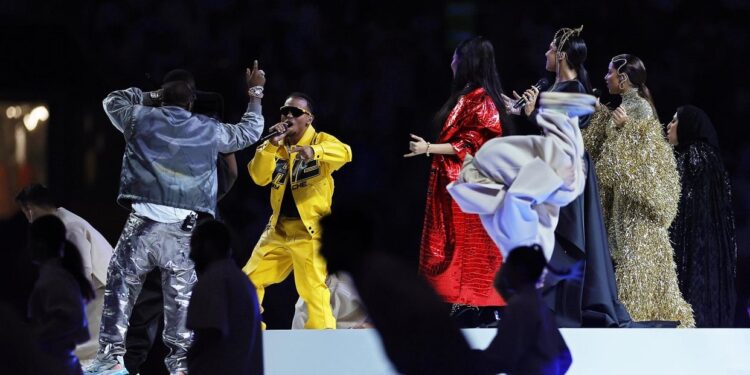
<point>106,366</point>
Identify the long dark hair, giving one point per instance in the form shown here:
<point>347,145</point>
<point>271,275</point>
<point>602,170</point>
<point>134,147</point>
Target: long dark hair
<point>476,68</point>
<point>634,68</point>
<point>575,51</point>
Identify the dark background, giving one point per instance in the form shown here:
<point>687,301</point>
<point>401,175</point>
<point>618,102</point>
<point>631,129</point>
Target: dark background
<point>376,72</point>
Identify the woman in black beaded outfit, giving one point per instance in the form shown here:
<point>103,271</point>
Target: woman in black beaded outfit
<point>703,232</point>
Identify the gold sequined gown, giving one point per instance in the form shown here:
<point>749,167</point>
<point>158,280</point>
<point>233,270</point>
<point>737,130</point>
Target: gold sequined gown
<point>639,188</point>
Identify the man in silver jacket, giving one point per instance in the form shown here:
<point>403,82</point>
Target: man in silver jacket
<point>168,177</point>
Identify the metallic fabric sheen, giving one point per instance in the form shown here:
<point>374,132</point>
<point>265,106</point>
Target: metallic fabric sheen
<point>457,256</point>
<point>639,188</point>
<point>143,245</point>
<point>170,154</point>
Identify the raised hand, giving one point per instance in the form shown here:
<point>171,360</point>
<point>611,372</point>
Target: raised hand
<point>508,103</point>
<point>620,116</point>
<point>281,128</point>
<point>530,95</point>
<point>255,77</point>
<point>417,147</point>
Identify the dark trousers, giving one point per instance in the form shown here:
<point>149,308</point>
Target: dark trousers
<point>145,326</point>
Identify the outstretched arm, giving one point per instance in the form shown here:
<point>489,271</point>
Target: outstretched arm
<point>419,146</point>
<point>329,150</point>
<point>241,135</point>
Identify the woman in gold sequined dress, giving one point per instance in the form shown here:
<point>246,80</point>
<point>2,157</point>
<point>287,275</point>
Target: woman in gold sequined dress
<point>640,189</point>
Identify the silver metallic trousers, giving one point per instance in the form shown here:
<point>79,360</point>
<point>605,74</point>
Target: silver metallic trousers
<point>143,245</point>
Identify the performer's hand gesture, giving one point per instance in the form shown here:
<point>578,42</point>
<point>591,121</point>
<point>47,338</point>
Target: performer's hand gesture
<point>530,95</point>
<point>508,103</point>
<point>417,147</point>
<point>255,77</point>
<point>280,128</point>
<point>303,152</point>
<point>620,116</point>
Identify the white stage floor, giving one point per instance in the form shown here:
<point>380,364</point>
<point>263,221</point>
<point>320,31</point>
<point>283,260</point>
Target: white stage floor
<point>595,351</point>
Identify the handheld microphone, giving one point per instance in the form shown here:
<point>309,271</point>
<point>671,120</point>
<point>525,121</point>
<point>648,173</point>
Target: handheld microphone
<point>541,85</point>
<point>276,133</point>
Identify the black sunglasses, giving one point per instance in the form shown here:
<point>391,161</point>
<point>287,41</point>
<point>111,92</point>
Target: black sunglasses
<point>295,111</point>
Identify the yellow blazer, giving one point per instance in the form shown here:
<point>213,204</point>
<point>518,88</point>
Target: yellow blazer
<point>312,183</point>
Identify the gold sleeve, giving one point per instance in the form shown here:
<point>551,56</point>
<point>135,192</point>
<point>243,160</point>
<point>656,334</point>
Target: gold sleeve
<point>636,161</point>
<point>595,134</point>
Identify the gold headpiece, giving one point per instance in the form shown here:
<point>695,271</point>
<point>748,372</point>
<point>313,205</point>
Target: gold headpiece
<point>619,62</point>
<point>564,34</point>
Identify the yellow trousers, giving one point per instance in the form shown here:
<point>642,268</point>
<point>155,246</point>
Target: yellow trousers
<point>289,247</point>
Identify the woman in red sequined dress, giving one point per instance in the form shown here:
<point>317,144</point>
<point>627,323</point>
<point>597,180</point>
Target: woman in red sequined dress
<point>457,256</point>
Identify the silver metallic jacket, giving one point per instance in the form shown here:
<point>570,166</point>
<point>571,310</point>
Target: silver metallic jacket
<point>170,153</point>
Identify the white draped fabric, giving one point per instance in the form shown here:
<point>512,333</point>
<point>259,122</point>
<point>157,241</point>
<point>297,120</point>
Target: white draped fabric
<point>517,184</point>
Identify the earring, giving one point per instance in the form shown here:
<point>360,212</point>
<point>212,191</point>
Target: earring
<point>622,78</point>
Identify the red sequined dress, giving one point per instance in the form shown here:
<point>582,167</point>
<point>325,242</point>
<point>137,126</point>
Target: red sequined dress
<point>457,256</point>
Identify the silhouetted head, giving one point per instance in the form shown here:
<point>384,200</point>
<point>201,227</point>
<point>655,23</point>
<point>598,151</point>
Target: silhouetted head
<point>210,242</point>
<point>179,75</point>
<point>35,201</point>
<point>179,89</point>
<point>206,103</point>
<point>46,238</point>
<point>178,93</point>
<point>522,267</point>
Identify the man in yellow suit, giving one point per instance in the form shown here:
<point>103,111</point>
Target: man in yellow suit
<point>298,163</point>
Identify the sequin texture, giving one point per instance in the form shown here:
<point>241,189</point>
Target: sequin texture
<point>639,189</point>
<point>457,256</point>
